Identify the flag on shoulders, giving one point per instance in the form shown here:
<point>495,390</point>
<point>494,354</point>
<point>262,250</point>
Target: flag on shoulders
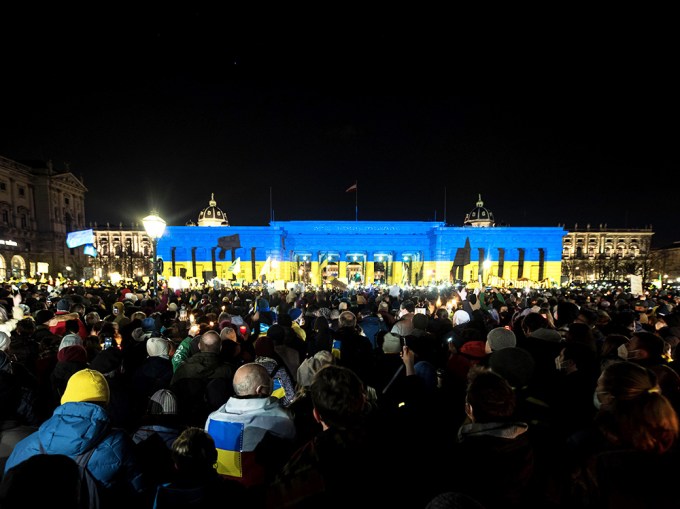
<point>352,188</point>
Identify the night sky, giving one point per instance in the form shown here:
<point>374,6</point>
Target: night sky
<point>159,110</point>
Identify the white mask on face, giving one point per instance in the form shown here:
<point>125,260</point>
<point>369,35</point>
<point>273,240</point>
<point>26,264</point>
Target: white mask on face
<point>596,401</point>
<point>622,352</point>
<point>633,354</point>
<point>560,365</point>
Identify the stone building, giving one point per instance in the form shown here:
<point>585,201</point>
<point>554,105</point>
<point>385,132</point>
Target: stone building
<point>39,206</point>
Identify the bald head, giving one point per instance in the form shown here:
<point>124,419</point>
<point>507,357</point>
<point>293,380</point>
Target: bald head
<point>210,342</point>
<point>252,379</point>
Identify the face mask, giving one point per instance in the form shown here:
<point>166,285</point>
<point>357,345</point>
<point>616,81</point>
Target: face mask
<point>596,401</point>
<point>560,365</point>
<point>622,352</point>
<point>633,354</point>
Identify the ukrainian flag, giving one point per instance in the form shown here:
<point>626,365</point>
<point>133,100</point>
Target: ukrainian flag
<point>228,438</point>
<point>337,345</point>
<point>278,391</point>
<point>323,262</point>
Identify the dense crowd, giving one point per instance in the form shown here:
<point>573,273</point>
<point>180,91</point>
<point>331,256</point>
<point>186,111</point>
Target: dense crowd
<point>432,397</point>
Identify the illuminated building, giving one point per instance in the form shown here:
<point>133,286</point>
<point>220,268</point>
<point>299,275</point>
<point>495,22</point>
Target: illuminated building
<point>38,207</point>
<point>405,252</point>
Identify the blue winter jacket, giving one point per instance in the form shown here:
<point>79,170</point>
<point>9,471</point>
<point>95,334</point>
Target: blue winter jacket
<point>73,429</point>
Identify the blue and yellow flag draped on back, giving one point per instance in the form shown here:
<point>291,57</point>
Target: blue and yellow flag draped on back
<point>228,438</point>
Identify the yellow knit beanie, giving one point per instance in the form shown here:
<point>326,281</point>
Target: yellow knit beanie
<point>86,385</point>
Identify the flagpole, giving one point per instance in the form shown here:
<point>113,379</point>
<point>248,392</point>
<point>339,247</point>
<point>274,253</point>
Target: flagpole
<point>444,205</point>
<point>356,200</point>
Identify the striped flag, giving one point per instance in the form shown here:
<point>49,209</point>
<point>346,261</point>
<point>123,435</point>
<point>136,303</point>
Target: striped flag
<point>278,390</point>
<point>323,262</point>
<point>228,438</point>
<point>353,187</point>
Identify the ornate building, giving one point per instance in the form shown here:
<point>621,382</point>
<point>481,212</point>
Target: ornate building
<point>39,206</point>
<point>406,252</point>
<point>606,253</point>
<point>123,251</point>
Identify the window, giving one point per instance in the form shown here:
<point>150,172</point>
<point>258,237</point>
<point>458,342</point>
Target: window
<point>5,216</point>
<point>66,200</point>
<point>23,221</point>
<point>3,186</point>
<point>22,191</point>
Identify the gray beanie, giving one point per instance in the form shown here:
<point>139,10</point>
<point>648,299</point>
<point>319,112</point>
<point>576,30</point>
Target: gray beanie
<point>500,338</point>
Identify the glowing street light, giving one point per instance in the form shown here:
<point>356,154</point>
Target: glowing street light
<point>155,227</point>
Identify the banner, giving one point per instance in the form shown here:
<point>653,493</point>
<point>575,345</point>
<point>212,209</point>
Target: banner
<point>228,242</point>
<point>79,238</point>
<point>636,285</point>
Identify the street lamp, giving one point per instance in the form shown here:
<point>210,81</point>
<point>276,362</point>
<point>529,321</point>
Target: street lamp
<point>154,226</point>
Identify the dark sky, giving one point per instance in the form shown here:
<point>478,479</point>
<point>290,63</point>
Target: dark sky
<point>555,125</point>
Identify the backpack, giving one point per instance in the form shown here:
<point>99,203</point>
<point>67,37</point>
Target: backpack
<point>89,488</point>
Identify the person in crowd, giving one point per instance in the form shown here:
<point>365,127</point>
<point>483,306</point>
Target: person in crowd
<point>631,447</point>
<point>160,426</point>
<point>493,442</point>
<point>196,482</point>
<point>82,423</point>
<point>17,415</point>
<point>203,382</point>
<point>404,324</point>
<point>69,360</point>
<point>352,349</point>
<point>343,454</point>
<point>647,349</point>
<point>155,373</point>
<point>252,431</point>
<point>60,484</point>
<point>320,338</point>
<point>283,381</point>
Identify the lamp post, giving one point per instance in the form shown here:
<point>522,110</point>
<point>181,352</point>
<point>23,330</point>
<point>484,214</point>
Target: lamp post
<point>154,226</point>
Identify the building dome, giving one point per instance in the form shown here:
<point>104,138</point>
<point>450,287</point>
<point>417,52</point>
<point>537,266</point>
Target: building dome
<point>212,215</point>
<point>479,216</point>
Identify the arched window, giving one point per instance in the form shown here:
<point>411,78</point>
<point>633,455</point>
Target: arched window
<point>3,267</point>
<point>18,266</point>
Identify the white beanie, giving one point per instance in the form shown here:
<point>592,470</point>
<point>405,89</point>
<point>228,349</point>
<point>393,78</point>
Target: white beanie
<point>70,340</point>
<point>461,316</point>
<point>158,347</point>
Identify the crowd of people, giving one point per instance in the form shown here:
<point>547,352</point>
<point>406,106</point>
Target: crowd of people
<point>424,398</point>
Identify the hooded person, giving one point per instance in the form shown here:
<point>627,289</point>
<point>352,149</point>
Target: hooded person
<point>70,360</point>
<point>81,423</point>
<point>118,315</point>
<point>154,374</point>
